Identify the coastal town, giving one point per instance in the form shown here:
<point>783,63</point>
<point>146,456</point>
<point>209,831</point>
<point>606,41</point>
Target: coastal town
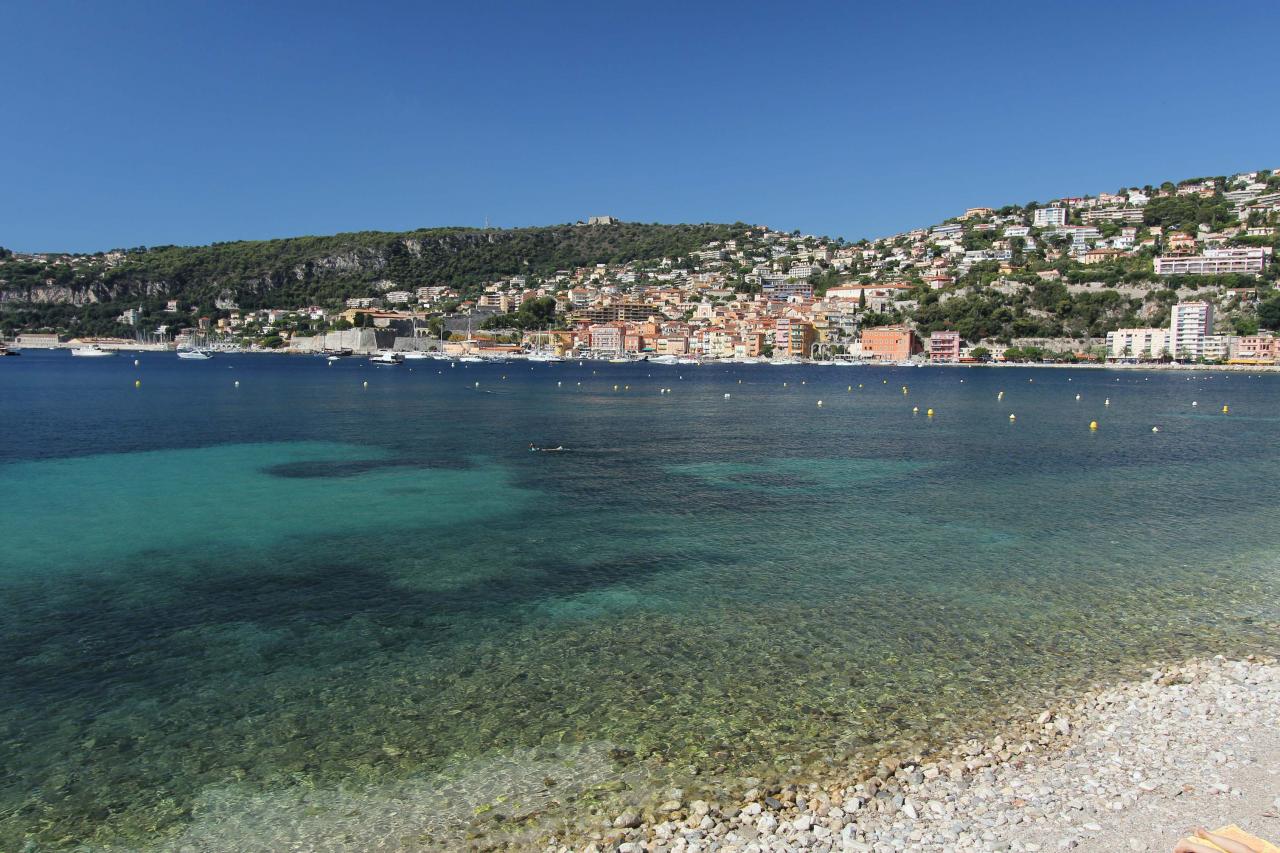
<point>1179,273</point>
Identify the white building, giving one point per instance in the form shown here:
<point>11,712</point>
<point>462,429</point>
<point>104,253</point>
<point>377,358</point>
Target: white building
<point>1213,262</point>
<point>1220,347</point>
<point>1137,344</point>
<point>1189,324</point>
<point>1048,217</point>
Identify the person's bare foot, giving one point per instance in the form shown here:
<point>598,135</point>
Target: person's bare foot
<point>1188,845</point>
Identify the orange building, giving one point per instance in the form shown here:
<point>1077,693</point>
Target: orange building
<point>890,343</point>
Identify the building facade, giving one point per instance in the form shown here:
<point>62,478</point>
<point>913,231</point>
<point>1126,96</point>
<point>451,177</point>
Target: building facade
<point>1049,217</point>
<point>889,343</point>
<point>944,346</point>
<point>1213,262</point>
<point>1189,324</point>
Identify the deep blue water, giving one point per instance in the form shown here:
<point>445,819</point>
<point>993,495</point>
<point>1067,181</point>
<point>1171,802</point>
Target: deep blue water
<point>304,608</point>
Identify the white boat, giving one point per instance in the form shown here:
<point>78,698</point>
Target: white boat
<point>664,359</point>
<point>550,358</point>
<point>195,354</point>
<point>91,351</point>
<point>686,360</point>
<point>384,358</point>
<point>785,362</point>
<point>333,358</point>
<point>470,359</point>
<point>415,355</point>
<point>620,360</point>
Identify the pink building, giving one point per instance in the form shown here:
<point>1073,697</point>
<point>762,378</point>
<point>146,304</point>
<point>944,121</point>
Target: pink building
<point>608,337</point>
<point>944,346</point>
<point>1262,348</point>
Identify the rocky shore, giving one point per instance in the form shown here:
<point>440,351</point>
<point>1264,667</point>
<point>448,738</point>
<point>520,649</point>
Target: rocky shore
<point>1129,767</point>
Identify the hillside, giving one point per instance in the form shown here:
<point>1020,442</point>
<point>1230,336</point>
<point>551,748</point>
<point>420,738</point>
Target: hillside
<point>327,270</point>
<point>1069,269</point>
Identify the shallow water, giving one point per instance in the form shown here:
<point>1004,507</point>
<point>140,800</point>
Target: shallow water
<point>311,612</point>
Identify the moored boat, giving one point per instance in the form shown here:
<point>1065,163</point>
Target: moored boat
<point>91,351</point>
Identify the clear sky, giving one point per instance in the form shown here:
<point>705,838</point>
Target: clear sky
<point>131,123</point>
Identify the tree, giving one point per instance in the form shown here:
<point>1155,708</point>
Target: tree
<point>1269,313</point>
<point>980,353</point>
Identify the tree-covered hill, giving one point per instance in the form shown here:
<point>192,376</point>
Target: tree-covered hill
<point>325,270</point>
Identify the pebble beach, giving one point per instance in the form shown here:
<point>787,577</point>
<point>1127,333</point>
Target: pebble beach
<point>1128,767</point>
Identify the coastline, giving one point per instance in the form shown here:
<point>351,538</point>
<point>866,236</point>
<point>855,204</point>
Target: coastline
<point>1132,766</point>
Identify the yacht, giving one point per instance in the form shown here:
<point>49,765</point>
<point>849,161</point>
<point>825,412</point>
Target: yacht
<point>416,355</point>
<point>470,359</point>
<point>386,357</point>
<point>91,351</point>
<point>665,359</point>
<point>687,360</point>
<point>4,350</point>
<point>195,354</point>
<point>785,362</point>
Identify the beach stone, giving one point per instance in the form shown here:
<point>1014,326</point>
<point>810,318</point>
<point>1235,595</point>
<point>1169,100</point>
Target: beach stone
<point>629,819</point>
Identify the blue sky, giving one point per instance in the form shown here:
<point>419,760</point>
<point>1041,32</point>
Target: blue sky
<point>130,123</point>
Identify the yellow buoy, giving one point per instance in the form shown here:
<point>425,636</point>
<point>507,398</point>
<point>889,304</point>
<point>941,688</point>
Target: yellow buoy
<point>929,413</point>
<point>1093,425</point>
<point>850,387</point>
<point>137,383</point>
<point>1225,410</point>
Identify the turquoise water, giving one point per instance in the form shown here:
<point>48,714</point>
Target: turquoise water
<point>305,611</point>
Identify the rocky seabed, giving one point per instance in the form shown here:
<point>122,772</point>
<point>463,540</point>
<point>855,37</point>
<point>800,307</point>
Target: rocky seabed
<point>1122,768</point>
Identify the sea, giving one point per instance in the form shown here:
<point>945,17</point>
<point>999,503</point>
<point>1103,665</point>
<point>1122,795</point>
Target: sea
<point>271,602</point>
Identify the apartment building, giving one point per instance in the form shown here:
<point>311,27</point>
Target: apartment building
<point>1049,217</point>
<point>890,343</point>
<point>1189,324</point>
<point>1137,344</point>
<point>944,346</point>
<point>1213,262</point>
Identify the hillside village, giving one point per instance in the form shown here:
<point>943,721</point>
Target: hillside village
<point>1179,272</point>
